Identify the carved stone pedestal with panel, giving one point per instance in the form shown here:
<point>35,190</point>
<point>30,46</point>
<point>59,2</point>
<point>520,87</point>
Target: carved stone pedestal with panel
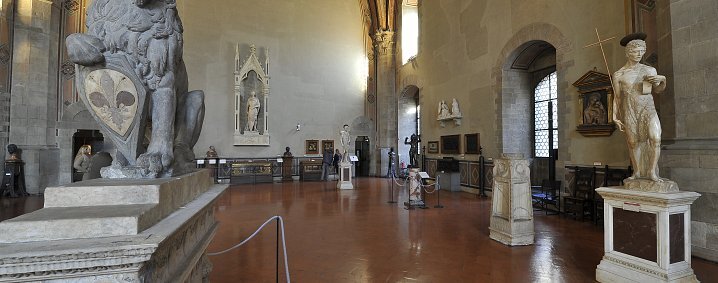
<point>345,176</point>
<point>511,211</point>
<point>647,236</point>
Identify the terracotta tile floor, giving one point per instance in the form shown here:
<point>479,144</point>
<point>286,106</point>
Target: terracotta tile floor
<point>356,236</point>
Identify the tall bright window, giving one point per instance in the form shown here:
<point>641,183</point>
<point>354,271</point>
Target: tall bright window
<point>545,116</point>
<point>409,30</point>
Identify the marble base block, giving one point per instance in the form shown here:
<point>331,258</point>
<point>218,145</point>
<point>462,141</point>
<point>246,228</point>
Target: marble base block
<point>345,176</point>
<point>511,211</point>
<point>647,236</point>
<point>251,138</point>
<point>111,242</point>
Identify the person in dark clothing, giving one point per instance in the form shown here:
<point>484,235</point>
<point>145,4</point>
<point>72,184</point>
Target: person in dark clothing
<point>335,162</point>
<point>326,164</point>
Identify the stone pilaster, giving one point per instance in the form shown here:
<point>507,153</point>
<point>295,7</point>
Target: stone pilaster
<point>33,91</point>
<point>386,99</point>
<point>690,145</point>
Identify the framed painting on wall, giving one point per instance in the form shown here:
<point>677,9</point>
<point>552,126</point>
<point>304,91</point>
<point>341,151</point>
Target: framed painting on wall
<point>433,147</point>
<point>311,147</point>
<point>450,144</point>
<point>328,144</point>
<point>472,143</point>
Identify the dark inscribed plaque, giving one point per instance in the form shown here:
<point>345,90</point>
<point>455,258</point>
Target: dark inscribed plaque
<point>676,230</point>
<point>347,171</point>
<point>634,233</point>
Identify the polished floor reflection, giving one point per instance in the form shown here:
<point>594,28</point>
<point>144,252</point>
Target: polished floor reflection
<point>356,236</point>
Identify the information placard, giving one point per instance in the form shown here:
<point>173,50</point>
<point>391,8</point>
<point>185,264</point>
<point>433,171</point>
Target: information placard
<point>200,161</point>
<point>353,158</point>
<point>424,175</point>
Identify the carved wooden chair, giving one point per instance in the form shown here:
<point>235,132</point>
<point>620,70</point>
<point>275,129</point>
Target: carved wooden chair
<point>611,177</point>
<point>580,202</point>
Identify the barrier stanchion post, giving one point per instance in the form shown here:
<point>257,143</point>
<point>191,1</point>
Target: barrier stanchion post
<point>277,257</point>
<point>391,191</point>
<point>437,186</point>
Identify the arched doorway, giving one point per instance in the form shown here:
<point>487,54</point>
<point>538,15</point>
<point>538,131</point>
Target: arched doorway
<point>516,73</point>
<point>530,112</point>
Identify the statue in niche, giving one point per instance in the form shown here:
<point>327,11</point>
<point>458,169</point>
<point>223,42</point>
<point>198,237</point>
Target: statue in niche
<point>346,141</point>
<point>455,112</point>
<point>252,112</point>
<point>634,109</point>
<point>132,50</point>
<point>595,112</point>
<point>82,159</point>
<point>212,152</point>
<point>413,149</point>
<point>443,110</point>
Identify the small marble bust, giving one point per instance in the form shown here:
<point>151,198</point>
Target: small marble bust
<point>287,153</point>
<point>212,152</point>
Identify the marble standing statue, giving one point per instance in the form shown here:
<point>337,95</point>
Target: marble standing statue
<point>455,112</point>
<point>252,112</point>
<point>346,141</point>
<point>634,109</point>
<point>391,170</point>
<point>443,110</point>
<point>82,159</point>
<point>413,149</point>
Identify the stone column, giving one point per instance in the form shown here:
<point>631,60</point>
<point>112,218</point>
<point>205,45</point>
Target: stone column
<point>33,104</point>
<point>387,102</point>
<point>511,211</point>
<point>690,145</point>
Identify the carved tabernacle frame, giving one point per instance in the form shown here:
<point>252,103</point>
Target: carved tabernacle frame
<point>596,104</point>
<point>242,134</point>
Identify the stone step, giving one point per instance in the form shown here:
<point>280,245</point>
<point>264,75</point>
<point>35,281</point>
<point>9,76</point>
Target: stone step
<point>104,208</point>
<point>102,192</point>
<point>58,223</point>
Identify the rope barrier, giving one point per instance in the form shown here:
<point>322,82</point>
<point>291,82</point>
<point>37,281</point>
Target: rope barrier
<point>284,243</point>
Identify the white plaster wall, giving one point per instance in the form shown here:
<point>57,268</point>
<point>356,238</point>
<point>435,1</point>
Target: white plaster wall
<point>461,42</point>
<point>317,67</point>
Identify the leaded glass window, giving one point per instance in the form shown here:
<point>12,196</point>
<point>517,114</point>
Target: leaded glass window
<point>545,99</point>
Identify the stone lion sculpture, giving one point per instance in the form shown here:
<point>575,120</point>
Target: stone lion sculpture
<point>131,73</point>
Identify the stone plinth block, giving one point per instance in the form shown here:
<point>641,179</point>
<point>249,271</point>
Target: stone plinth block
<point>171,250</point>
<point>511,210</point>
<point>644,185</point>
<point>647,236</point>
<point>104,208</point>
<point>345,176</point>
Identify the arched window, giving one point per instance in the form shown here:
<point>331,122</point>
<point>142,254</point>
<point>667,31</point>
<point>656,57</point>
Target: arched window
<point>545,116</point>
<point>409,30</point>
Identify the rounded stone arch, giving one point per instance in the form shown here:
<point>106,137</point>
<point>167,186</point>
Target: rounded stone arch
<point>408,82</point>
<point>76,116</point>
<point>509,132</point>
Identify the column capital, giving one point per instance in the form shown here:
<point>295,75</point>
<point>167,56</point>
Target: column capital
<point>384,42</point>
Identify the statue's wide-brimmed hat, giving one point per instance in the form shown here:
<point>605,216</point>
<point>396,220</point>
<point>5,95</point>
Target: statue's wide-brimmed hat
<point>626,39</point>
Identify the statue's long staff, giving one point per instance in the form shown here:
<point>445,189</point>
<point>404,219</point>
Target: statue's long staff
<point>600,43</point>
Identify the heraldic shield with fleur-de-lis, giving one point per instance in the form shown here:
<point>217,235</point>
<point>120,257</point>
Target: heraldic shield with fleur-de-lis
<point>113,98</point>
